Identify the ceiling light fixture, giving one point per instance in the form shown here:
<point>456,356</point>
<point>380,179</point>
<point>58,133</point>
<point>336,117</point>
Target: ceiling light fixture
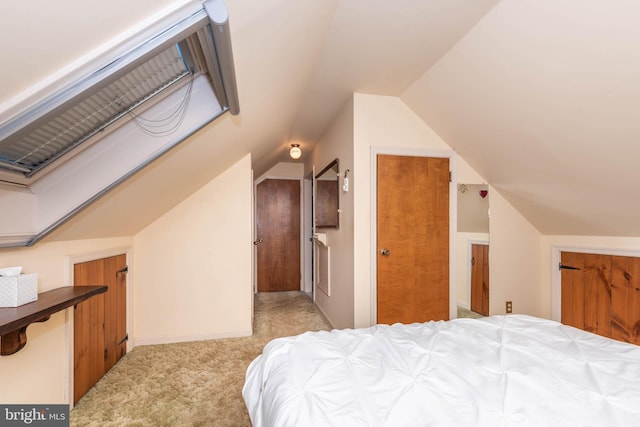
<point>295,151</point>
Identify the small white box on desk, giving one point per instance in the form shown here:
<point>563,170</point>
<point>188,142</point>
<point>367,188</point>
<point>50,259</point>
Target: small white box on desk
<point>18,290</point>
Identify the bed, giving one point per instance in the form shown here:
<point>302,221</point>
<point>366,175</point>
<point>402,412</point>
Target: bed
<point>512,370</point>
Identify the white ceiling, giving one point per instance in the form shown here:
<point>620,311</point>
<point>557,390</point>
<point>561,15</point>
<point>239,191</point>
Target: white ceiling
<point>542,98</point>
<point>539,96</point>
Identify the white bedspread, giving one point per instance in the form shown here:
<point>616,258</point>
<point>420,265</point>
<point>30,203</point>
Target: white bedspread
<point>498,371</point>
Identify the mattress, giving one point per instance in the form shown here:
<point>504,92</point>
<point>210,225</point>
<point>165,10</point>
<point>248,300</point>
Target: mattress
<point>509,370</point>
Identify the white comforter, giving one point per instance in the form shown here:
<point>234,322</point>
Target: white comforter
<point>498,371</point>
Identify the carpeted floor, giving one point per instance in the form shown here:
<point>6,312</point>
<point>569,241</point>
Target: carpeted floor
<point>197,383</point>
<point>463,312</point>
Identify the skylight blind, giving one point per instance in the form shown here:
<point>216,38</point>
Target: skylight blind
<point>180,67</point>
<point>195,41</point>
<point>35,148</point>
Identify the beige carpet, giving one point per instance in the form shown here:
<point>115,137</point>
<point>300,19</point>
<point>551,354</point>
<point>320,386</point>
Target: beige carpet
<point>463,312</point>
<point>197,383</point>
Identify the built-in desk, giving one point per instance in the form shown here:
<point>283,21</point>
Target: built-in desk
<point>14,320</point>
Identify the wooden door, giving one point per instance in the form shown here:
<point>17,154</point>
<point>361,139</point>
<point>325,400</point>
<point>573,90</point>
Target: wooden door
<point>480,279</point>
<point>100,335</point>
<point>278,235</point>
<point>572,303</point>
<point>412,239</point>
<point>625,299</point>
<point>601,294</point>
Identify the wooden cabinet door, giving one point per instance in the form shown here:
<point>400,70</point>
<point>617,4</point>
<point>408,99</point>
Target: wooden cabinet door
<point>412,239</point>
<point>100,334</point>
<point>601,294</point>
<point>625,299</point>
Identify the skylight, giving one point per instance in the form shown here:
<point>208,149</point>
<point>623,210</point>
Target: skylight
<point>42,142</point>
<point>67,144</point>
<point>119,90</point>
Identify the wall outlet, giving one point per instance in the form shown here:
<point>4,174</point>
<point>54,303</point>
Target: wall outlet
<point>508,307</point>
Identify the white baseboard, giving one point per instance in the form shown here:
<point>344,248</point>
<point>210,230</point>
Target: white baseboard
<point>464,305</point>
<point>187,338</point>
<point>325,315</point>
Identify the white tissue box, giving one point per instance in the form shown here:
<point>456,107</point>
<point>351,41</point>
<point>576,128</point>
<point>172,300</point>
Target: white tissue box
<point>18,290</point>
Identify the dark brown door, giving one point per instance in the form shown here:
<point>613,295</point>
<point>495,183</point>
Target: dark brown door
<point>100,335</point>
<point>480,279</point>
<point>601,294</point>
<point>278,235</point>
<point>413,239</point>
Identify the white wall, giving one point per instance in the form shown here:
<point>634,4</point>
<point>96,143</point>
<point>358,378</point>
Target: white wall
<point>17,215</point>
<point>337,142</point>
<point>39,372</point>
<point>284,170</point>
<point>516,267</point>
<point>190,278</point>
<point>193,265</point>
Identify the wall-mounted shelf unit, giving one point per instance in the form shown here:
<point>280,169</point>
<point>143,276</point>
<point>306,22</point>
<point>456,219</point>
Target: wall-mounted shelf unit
<point>15,320</point>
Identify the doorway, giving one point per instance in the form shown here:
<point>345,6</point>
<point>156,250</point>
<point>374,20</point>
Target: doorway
<point>480,278</point>
<point>413,238</point>
<point>309,230</point>
<point>100,323</point>
<point>278,235</point>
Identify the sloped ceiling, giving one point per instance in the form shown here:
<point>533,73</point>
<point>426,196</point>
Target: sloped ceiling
<point>539,96</point>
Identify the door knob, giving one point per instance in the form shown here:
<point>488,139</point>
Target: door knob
<point>384,252</point>
<point>257,242</point>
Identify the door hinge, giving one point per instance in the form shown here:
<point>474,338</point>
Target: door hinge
<point>561,266</point>
<point>450,177</point>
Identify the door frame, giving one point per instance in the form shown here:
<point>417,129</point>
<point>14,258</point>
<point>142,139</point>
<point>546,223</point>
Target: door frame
<point>70,260</point>
<point>308,231</point>
<point>556,274</point>
<point>255,226</point>
<point>453,223</point>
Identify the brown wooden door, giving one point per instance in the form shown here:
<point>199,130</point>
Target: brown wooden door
<point>625,299</point>
<point>278,235</point>
<point>100,335</point>
<point>413,226</point>
<point>572,304</point>
<point>480,279</point>
<point>601,294</point>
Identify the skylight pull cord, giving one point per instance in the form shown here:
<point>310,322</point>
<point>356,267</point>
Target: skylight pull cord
<point>171,117</point>
<point>146,125</point>
<point>91,116</point>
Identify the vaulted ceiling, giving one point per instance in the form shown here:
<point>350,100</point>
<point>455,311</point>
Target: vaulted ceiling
<point>539,96</point>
